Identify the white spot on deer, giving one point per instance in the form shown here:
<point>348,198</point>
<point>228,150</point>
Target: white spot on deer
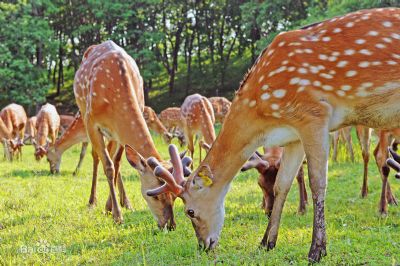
<point>327,76</point>
<point>265,87</point>
<point>365,17</point>
<point>391,62</point>
<point>103,86</point>
<point>350,24</point>
<point>276,115</point>
<point>94,93</point>
<point>261,79</point>
<point>304,82</point>
<point>366,85</point>
<point>365,51</point>
<point>360,41</point>
<point>349,52</point>
<point>362,93</point>
<point>376,63</point>
<point>274,106</point>
<point>340,93</point>
<point>281,44</point>
<point>337,30</point>
<point>252,103</point>
<point>302,70</point>
<point>265,96</point>
<point>387,24</point>
<point>308,51</point>
<point>314,69</point>
<point>105,100</point>
<point>279,93</point>
<point>397,56</point>
<point>351,73</point>
<point>295,80</point>
<point>327,87</point>
<point>300,89</point>
<point>322,56</point>
<point>245,101</point>
<point>326,39</point>
<point>108,71</point>
<point>395,36</point>
<point>294,44</point>
<point>317,83</point>
<point>332,58</point>
<point>270,52</point>
<point>373,33</point>
<point>291,69</point>
<point>364,64</point>
<point>380,45</point>
<point>285,62</point>
<point>342,63</point>
<point>386,39</point>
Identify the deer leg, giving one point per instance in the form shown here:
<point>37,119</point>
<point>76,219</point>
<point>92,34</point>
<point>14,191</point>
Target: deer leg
<point>81,156</point>
<point>380,154</point>
<point>97,140</point>
<point>93,197</point>
<point>336,135</point>
<point>302,191</point>
<point>291,160</point>
<point>349,142</point>
<point>123,198</point>
<point>391,199</point>
<point>364,137</point>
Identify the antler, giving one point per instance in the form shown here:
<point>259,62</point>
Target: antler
<point>173,182</point>
<point>394,162</point>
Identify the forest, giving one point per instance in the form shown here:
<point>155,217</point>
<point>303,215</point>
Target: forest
<point>181,47</point>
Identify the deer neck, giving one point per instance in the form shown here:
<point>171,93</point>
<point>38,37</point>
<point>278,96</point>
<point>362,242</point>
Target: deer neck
<point>74,134</point>
<point>4,131</point>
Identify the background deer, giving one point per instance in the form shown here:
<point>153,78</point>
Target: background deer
<point>308,82</point>
<point>30,129</point>
<point>14,118</point>
<point>221,107</point>
<point>268,166</point>
<point>197,117</point>
<point>155,124</point>
<point>345,134</point>
<point>65,122</point>
<point>47,126</point>
<point>109,92</point>
<point>171,119</point>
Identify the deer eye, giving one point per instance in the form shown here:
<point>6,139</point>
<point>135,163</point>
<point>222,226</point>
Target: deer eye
<point>190,212</point>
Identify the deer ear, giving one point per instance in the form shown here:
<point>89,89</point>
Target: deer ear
<point>204,177</point>
<point>135,159</point>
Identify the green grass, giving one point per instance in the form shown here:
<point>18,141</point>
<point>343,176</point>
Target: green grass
<point>37,208</point>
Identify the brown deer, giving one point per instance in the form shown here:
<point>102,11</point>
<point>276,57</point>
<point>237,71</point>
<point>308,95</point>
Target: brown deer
<point>30,129</point>
<point>65,122</point>
<point>47,126</point>
<point>340,72</point>
<point>74,134</point>
<point>221,107</point>
<point>155,124</point>
<point>197,118</point>
<point>345,133</point>
<point>171,119</point>
<point>108,89</point>
<point>268,166</point>
<point>14,118</point>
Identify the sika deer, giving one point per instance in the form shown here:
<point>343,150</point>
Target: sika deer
<point>109,92</point>
<point>308,82</point>
<point>268,166</point>
<point>65,122</point>
<point>171,119</point>
<point>30,130</point>
<point>47,126</point>
<point>197,118</point>
<point>221,107</point>
<point>155,124</point>
<point>14,118</point>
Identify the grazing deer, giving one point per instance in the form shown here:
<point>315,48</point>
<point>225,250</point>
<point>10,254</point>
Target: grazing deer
<point>108,89</point>
<point>221,107</point>
<point>171,119</point>
<point>14,118</point>
<point>268,166</point>
<point>345,133</point>
<point>155,124</point>
<point>47,126</point>
<point>197,117</point>
<point>336,73</point>
<point>30,129</point>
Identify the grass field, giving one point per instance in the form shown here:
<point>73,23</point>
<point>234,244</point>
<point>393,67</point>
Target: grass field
<point>41,210</point>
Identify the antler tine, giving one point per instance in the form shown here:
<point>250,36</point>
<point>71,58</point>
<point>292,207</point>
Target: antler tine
<point>186,162</point>
<point>182,154</point>
<point>177,164</point>
<point>153,163</point>
<point>394,155</point>
<point>170,182</point>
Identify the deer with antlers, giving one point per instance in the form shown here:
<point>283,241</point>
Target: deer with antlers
<point>268,166</point>
<point>221,107</point>
<point>155,124</point>
<point>308,82</point>
<point>14,119</point>
<point>197,118</point>
<point>47,126</point>
<point>171,119</point>
<point>108,89</point>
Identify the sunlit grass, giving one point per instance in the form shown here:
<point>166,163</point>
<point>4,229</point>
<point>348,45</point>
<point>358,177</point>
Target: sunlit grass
<point>41,209</point>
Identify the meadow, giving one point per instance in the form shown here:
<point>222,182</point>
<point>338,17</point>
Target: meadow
<point>39,210</point>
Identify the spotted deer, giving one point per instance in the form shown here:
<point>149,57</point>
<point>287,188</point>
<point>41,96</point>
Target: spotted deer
<point>108,89</point>
<point>155,124</point>
<point>197,117</point>
<point>30,129</point>
<point>268,166</point>
<point>14,118</point>
<point>339,72</point>
<point>171,119</point>
<point>221,107</point>
<point>65,122</point>
<point>47,126</point>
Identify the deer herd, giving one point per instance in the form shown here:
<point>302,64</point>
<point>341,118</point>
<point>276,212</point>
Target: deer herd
<point>322,78</point>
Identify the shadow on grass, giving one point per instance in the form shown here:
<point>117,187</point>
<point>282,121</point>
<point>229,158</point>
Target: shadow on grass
<point>24,173</point>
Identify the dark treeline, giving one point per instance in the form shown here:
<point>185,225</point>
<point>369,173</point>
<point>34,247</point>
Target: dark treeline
<point>181,47</point>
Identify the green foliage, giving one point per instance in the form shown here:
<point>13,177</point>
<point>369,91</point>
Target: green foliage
<point>38,209</point>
